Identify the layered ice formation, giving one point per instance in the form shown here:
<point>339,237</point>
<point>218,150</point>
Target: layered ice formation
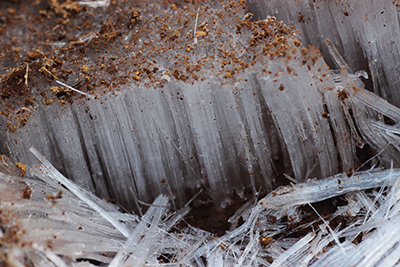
<point>156,102</point>
<point>178,105</point>
<point>174,98</point>
<point>365,32</point>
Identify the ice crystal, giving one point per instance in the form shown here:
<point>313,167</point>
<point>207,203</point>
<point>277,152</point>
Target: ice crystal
<point>197,102</point>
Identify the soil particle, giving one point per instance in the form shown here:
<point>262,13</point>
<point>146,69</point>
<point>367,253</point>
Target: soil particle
<point>99,50</point>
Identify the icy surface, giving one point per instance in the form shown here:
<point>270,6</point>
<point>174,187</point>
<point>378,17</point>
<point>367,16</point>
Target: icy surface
<point>56,229</point>
<point>83,195</point>
<point>318,190</point>
<point>366,33</point>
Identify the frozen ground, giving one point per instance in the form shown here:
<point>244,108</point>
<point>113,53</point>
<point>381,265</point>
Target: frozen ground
<point>182,103</point>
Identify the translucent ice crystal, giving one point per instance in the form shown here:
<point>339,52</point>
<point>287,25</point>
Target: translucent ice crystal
<point>43,222</point>
<point>161,102</point>
<point>366,33</point>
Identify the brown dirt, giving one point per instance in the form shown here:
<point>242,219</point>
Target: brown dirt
<point>86,48</point>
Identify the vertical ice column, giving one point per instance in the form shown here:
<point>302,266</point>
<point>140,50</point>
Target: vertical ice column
<point>131,148</point>
<point>296,103</point>
<point>365,33</point>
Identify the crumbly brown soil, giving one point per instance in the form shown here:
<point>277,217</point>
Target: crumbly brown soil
<point>98,50</point>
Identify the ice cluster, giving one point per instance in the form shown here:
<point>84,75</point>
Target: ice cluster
<point>365,32</point>
<point>57,223</point>
<point>211,102</point>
